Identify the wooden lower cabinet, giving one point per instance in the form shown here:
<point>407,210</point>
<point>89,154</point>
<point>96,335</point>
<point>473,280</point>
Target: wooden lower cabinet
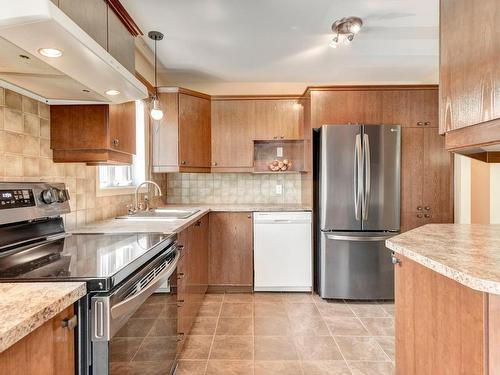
<point>231,250</point>
<point>48,350</point>
<point>442,326</point>
<point>192,273</point>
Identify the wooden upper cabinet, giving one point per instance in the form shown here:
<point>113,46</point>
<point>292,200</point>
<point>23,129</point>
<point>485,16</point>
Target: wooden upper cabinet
<point>182,138</point>
<point>93,134</point>
<point>278,119</point>
<point>99,19</point>
<point>194,131</point>
<point>470,74</point>
<point>233,132</point>
<point>405,106</point>
<point>231,249</point>
<point>91,16</point>
<point>120,42</point>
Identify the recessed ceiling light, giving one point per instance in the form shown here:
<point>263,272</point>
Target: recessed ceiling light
<point>50,52</point>
<point>112,92</point>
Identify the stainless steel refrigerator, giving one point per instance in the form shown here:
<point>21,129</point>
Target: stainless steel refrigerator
<point>359,208</point>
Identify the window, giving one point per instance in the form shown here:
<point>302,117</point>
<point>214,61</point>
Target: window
<point>120,176</point>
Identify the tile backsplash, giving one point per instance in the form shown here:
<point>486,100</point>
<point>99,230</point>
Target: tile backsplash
<point>242,188</point>
<point>25,155</point>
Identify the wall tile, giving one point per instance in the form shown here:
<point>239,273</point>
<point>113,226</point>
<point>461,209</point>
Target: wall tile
<point>31,167</point>
<point>13,120</point>
<point>232,188</point>
<point>32,125</point>
<point>44,128</point>
<point>13,166</point>
<point>30,105</point>
<point>45,150</point>
<point>13,142</point>
<point>44,110</point>
<point>13,100</point>
<point>31,146</point>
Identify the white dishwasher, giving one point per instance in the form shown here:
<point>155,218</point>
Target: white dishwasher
<point>282,251</point>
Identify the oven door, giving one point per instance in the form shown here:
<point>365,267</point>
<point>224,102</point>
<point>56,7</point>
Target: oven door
<point>135,326</point>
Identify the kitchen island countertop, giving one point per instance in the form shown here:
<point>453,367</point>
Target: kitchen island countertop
<point>26,306</point>
<point>466,253</point>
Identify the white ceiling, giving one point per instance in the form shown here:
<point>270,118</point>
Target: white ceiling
<point>287,40</point>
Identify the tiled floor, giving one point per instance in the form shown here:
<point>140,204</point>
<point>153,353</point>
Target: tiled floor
<point>292,334</point>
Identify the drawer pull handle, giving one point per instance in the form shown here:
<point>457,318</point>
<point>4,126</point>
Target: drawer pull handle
<point>70,323</point>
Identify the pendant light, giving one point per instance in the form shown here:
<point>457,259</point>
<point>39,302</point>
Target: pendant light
<point>156,112</point>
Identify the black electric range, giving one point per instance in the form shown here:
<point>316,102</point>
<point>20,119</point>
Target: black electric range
<point>121,272</point>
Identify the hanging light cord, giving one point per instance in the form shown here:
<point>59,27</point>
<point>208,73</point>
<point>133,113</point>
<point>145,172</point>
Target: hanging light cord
<point>156,73</point>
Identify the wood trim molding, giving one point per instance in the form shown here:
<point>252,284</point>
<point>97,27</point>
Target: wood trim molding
<point>370,88</point>
<point>181,90</point>
<point>256,97</point>
<point>124,17</point>
<point>145,82</point>
<point>475,136</point>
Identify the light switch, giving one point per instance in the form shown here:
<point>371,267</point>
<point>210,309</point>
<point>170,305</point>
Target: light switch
<point>279,189</point>
<point>279,152</point>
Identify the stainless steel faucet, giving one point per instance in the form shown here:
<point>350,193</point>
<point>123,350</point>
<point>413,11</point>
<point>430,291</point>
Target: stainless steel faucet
<point>136,200</point>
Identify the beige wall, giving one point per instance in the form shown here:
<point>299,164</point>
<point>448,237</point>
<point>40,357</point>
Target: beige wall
<point>477,191</point>
<point>25,155</point>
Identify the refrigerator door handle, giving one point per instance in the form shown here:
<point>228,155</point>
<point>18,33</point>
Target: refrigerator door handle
<point>358,176</point>
<point>358,238</point>
<point>367,167</point>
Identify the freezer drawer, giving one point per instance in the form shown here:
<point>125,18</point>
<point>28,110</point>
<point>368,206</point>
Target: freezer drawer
<point>356,266</point>
<point>282,251</point>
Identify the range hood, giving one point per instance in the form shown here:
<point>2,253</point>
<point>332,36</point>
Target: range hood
<point>83,73</point>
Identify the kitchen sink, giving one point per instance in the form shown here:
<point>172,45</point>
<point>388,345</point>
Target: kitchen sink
<point>160,214</point>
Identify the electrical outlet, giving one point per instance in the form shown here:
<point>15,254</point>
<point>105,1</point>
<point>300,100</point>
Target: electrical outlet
<point>279,189</point>
<point>279,152</point>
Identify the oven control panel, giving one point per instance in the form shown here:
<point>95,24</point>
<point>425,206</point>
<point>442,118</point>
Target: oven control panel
<point>16,198</point>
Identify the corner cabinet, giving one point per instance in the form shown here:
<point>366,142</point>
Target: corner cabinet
<point>93,134</point>
<point>182,138</point>
<point>470,77</point>
<point>48,350</point>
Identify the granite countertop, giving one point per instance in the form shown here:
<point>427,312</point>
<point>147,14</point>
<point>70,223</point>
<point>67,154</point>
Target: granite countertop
<point>169,226</point>
<point>26,306</point>
<point>466,253</point>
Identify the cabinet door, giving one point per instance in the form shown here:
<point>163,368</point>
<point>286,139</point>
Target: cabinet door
<point>201,239</point>
<point>344,107</point>
<point>278,119</point>
<point>194,131</point>
<point>91,16</point>
<point>183,289</point>
<point>48,350</point>
<point>438,179</point>
<point>469,69</point>
<point>231,255</point>
<point>122,127</point>
<point>410,108</point>
<point>120,42</point>
<point>289,117</point>
<point>412,160</point>
<point>233,131</point>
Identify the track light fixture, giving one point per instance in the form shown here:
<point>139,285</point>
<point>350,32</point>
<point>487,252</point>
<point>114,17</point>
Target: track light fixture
<point>344,30</point>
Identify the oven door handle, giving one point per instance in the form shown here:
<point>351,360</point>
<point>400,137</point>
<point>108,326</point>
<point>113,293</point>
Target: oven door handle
<point>132,303</point>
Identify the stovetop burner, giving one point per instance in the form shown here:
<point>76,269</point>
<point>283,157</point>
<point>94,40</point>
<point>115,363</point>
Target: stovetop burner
<point>102,260</point>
